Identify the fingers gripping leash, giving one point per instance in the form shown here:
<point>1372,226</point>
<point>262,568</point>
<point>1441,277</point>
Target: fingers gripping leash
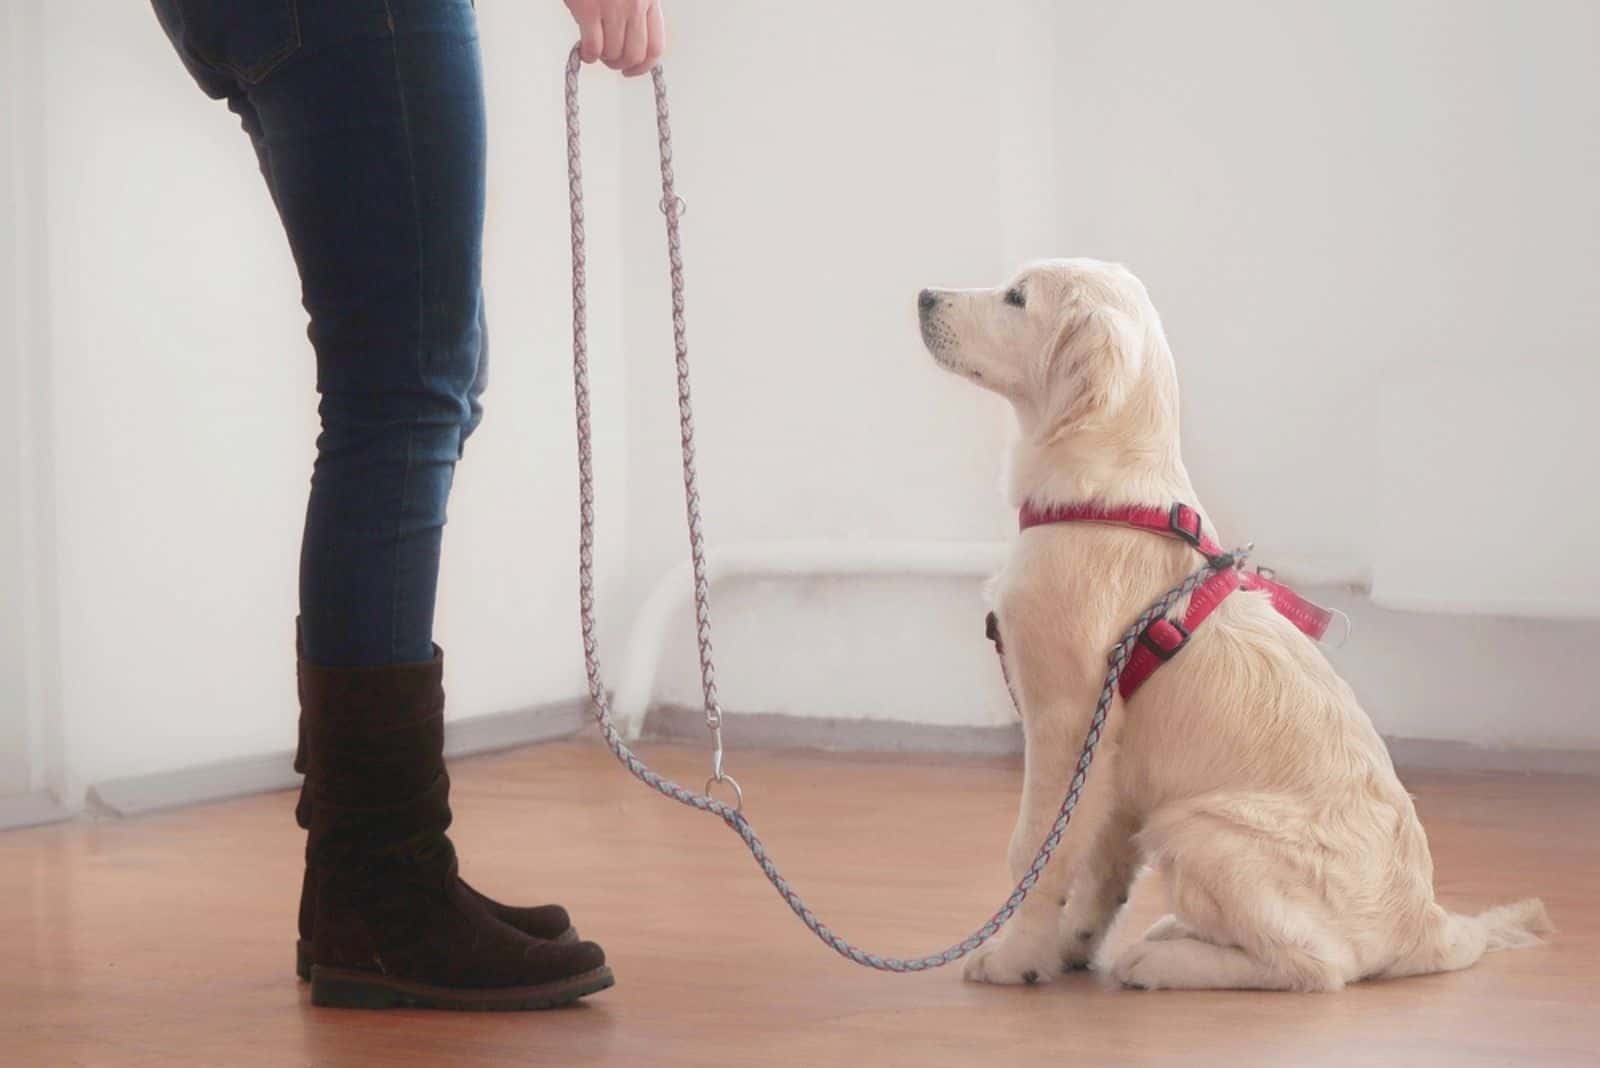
<point>733,815</point>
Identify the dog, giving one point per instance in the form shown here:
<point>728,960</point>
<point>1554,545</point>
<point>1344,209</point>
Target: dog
<point>1244,770</point>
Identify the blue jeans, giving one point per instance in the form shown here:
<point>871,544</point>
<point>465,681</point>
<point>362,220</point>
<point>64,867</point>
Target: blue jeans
<point>367,118</point>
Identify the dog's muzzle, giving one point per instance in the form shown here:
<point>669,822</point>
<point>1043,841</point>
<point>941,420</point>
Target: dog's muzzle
<point>936,334</point>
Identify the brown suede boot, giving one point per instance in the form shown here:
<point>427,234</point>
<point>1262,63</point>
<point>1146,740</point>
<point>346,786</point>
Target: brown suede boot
<point>389,922</point>
<point>549,922</point>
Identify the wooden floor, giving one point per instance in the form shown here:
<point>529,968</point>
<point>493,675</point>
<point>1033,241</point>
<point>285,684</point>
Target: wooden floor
<point>166,940</point>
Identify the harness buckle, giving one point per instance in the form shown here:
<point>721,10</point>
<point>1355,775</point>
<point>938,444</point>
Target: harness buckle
<point>1164,637</point>
<point>1185,523</point>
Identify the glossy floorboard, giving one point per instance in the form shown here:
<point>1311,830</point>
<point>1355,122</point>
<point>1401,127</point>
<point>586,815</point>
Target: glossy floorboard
<point>168,940</point>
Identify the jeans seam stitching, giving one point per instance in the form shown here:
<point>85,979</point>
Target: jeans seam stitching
<point>416,419</point>
<point>257,72</point>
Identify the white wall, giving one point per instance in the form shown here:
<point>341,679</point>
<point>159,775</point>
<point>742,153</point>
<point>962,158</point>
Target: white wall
<point>1292,180</point>
<point>15,756</point>
<point>1373,233</point>
<point>30,723</point>
<point>1506,105</point>
<point>835,158</point>
<point>1357,218</point>
<point>1475,522</point>
<point>1327,201</point>
<point>184,412</point>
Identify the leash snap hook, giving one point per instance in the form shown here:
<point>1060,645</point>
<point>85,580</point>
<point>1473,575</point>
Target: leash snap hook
<point>716,751</point>
<point>718,775</point>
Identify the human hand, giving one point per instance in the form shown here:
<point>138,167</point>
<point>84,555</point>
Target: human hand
<point>625,35</point>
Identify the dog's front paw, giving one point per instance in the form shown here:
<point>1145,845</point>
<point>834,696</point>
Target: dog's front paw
<point>1078,943</point>
<point>1078,953</point>
<point>1010,961</point>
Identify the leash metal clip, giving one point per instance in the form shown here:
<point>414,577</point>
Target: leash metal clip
<point>714,722</point>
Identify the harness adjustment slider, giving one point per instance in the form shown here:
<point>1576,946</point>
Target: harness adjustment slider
<point>1164,637</point>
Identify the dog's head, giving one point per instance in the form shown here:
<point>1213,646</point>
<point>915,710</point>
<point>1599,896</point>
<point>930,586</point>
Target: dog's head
<point>1065,341</point>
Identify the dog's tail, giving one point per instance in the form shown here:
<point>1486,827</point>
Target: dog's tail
<point>1456,941</point>
<point>1515,926</point>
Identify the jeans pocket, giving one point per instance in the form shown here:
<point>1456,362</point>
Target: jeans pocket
<point>246,38</point>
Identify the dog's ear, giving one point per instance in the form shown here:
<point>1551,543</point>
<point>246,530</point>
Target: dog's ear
<point>1096,359</point>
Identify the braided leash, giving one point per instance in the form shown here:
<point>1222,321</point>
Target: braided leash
<point>733,815</point>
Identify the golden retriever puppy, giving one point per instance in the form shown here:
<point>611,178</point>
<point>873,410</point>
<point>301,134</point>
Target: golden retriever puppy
<point>1244,769</point>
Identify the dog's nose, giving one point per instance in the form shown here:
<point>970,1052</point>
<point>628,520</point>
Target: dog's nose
<point>926,300</point>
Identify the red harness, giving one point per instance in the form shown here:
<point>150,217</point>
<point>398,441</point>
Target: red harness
<point>1164,638</point>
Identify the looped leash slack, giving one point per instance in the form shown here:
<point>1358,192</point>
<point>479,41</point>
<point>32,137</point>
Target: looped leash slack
<point>733,815</point>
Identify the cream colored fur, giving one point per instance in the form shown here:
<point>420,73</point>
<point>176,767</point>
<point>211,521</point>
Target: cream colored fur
<point>1245,770</point>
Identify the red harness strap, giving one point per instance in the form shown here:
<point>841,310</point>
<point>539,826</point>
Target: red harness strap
<point>1164,637</point>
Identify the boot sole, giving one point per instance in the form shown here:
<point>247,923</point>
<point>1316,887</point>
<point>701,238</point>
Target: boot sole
<point>344,988</point>
<point>302,952</point>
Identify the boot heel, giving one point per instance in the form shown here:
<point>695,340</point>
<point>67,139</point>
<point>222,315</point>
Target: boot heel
<point>302,960</point>
<point>335,989</point>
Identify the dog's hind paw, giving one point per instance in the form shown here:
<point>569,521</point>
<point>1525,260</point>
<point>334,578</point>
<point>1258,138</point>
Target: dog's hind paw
<point>1136,970</point>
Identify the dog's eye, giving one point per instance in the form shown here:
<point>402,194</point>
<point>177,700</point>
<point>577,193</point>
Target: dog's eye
<point>1015,298</point>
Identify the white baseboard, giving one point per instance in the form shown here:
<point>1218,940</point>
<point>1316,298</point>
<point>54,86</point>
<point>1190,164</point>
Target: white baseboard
<point>776,730</point>
<point>31,810</point>
<point>138,794</point>
<point>781,731</point>
<point>507,730</point>
<point>1440,755</point>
